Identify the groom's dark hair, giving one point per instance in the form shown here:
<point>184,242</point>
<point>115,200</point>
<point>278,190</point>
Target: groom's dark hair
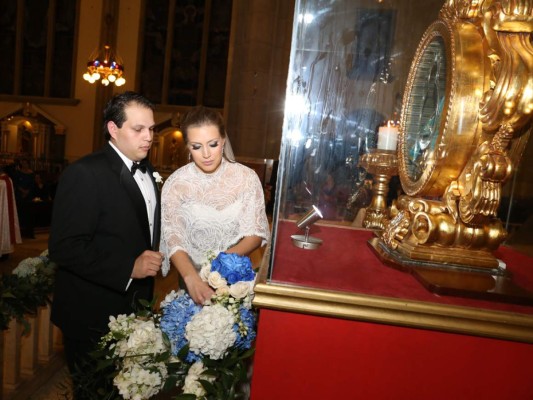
<point>114,110</point>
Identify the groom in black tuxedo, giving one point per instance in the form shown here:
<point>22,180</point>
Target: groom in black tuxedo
<point>105,229</point>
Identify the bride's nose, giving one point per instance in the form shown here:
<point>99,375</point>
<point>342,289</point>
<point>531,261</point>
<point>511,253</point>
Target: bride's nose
<point>206,153</point>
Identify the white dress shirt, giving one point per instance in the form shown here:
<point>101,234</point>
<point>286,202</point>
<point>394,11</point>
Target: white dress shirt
<point>147,189</point>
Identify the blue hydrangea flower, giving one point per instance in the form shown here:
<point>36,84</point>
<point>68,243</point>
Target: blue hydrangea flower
<point>248,319</point>
<point>174,319</point>
<point>233,267</point>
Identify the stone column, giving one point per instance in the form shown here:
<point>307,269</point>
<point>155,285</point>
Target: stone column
<point>11,361</point>
<point>28,349</point>
<point>45,343</point>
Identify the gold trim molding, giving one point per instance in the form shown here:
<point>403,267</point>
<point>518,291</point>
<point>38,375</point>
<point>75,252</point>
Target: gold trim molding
<point>387,310</point>
<point>392,311</point>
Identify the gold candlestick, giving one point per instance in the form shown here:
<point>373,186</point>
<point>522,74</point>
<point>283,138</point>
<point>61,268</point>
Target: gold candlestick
<point>383,165</point>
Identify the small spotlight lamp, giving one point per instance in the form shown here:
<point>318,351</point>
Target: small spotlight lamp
<point>305,241</point>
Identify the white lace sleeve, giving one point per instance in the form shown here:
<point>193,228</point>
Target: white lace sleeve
<point>209,213</point>
<point>171,226</point>
<point>254,221</point>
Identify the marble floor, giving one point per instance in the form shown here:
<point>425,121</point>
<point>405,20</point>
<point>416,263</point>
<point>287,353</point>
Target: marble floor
<point>58,387</point>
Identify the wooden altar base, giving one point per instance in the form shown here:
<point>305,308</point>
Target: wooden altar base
<point>452,280</point>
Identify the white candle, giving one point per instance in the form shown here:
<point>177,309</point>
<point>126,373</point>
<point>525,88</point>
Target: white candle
<point>387,137</point>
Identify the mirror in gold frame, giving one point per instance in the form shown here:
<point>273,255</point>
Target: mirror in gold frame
<point>440,126</point>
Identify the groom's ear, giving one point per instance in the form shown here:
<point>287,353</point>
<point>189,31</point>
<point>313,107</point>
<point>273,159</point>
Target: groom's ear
<point>112,129</point>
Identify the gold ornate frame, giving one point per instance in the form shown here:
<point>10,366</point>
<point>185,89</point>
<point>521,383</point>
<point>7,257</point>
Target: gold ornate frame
<point>489,100</point>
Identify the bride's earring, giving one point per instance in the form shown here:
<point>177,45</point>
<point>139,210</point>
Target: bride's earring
<point>189,157</point>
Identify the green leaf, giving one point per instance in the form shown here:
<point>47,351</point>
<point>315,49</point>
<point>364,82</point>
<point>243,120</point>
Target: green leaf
<point>208,386</point>
<point>144,303</point>
<point>104,364</point>
<point>247,354</point>
<point>170,382</point>
<point>182,354</point>
<point>162,357</point>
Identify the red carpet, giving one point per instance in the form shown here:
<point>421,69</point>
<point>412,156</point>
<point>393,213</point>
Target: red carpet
<point>345,262</point>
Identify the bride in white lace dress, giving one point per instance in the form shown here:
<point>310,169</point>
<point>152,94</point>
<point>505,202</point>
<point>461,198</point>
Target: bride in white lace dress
<point>212,204</point>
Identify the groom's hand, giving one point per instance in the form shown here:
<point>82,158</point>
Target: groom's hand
<point>147,264</point>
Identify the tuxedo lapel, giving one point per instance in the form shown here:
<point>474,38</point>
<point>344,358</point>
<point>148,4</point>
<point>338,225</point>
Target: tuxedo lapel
<point>157,211</point>
<point>132,189</point>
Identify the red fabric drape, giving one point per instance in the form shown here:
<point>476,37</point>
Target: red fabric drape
<point>10,206</point>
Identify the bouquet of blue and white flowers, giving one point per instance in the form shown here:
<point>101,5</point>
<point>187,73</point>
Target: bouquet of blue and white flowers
<point>201,350</point>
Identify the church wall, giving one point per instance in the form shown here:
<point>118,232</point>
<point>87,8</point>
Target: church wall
<point>79,119</point>
<point>259,51</point>
<point>257,81</point>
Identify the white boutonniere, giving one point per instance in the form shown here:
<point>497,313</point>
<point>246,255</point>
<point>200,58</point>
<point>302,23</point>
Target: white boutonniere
<point>158,179</point>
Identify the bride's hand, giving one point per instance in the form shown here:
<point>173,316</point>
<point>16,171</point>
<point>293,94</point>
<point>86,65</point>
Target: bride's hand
<point>199,290</point>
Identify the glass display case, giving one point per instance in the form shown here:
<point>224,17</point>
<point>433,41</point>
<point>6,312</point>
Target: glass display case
<point>349,66</point>
<point>347,75</point>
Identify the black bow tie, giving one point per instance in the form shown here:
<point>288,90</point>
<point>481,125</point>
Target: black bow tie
<point>141,166</point>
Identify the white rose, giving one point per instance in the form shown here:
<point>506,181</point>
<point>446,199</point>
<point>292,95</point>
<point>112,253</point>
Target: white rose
<point>239,290</point>
<point>191,384</point>
<point>204,272</point>
<point>140,336</point>
<point>145,339</point>
<point>196,369</point>
<point>222,291</point>
<point>216,280</point>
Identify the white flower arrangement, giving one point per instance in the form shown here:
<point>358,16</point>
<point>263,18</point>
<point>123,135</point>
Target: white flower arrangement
<point>138,383</point>
<point>136,342</point>
<point>210,332</point>
<point>192,383</point>
<point>198,349</point>
<point>28,287</point>
<point>141,337</point>
<point>28,267</point>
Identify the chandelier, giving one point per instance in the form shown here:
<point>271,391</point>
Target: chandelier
<point>106,65</point>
